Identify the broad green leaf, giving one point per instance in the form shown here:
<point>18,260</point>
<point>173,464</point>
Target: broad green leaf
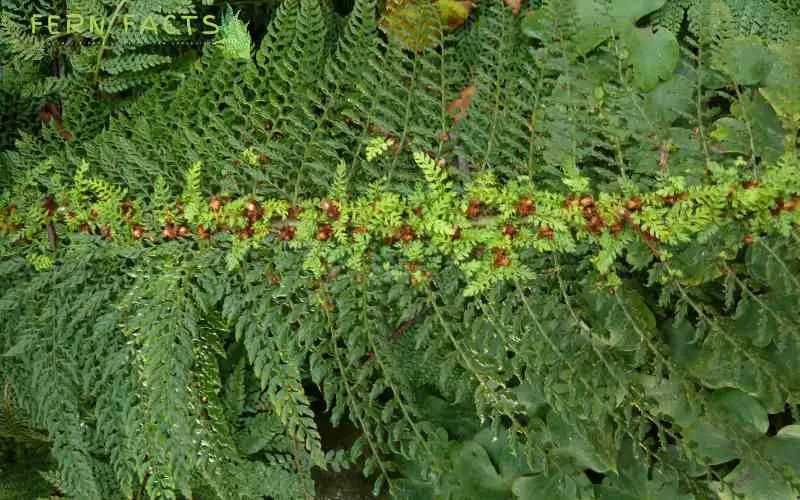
<point>784,359</point>
<point>509,466</point>
<point>533,26</point>
<point>638,255</point>
<point>754,322</point>
<point>674,457</point>
<point>769,263</point>
<point>785,101</point>
<point>476,473</point>
<point>458,421</point>
<point>756,481</point>
<point>595,21</point>
<point>710,442</point>
<point>633,481</point>
<point>764,133</point>
<point>746,60</point>
<point>670,399</point>
<point>654,56</point>
<point>630,11</point>
<point>664,103</point>
<point>782,85</point>
<point>580,447</point>
<point>713,360</point>
<point>552,487</point>
<point>624,315</point>
<point>592,25</point>
<point>530,397</point>
<point>700,263</point>
<point>785,71</point>
<point>784,448</point>
<point>732,135</point>
<point>744,408</point>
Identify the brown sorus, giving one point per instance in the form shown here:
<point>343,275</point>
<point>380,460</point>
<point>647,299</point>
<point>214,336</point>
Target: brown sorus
<point>587,201</point>
<point>750,183</point>
<point>359,230</point>
<point>634,204</point>
<point>418,211</point>
<point>253,217</point>
<point>293,212</point>
<point>252,206</point>
<point>593,229</point>
<point>595,220</point>
<point>263,158</point>
<point>525,207</point>
<point>183,231</point>
<point>647,236</point>
<point>127,209</point>
<point>246,233</point>
<point>169,232</point>
<point>474,208</point>
<point>286,233</point>
<point>106,230</point>
<point>546,232</point>
<point>616,228</point>
<point>500,258</point>
<point>325,232</point>
<point>778,206</point>
<point>138,231</point>
<point>202,232</point>
<point>790,205</point>
<point>572,202</point>
<point>510,231</point>
<point>407,233</point>
<point>747,240</point>
<point>330,208</point>
<point>333,212</point>
<point>215,203</point>
<point>456,234</point>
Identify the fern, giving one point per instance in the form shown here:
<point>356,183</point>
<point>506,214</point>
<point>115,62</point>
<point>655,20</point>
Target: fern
<point>508,244</point>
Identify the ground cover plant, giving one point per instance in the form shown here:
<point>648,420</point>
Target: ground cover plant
<point>489,250</point>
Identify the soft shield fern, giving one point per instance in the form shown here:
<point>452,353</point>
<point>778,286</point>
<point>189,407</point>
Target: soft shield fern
<point>544,251</point>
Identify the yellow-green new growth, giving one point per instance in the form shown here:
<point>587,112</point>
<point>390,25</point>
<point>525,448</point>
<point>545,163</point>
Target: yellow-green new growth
<point>376,147</point>
<point>235,40</point>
